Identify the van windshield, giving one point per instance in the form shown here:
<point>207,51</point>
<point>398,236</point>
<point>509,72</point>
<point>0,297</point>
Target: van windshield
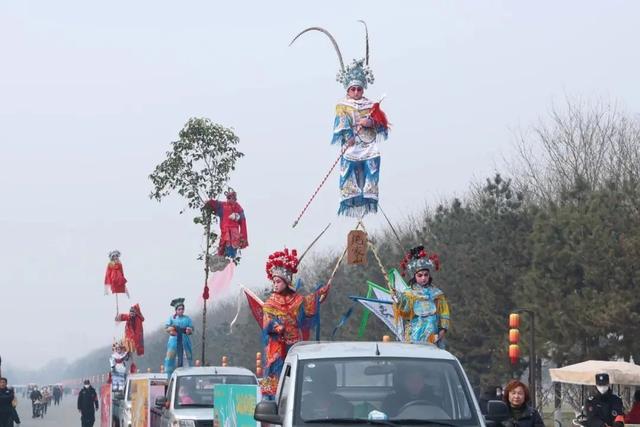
<point>413,391</point>
<point>197,390</point>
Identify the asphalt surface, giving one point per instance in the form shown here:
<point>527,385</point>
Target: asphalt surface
<point>64,415</point>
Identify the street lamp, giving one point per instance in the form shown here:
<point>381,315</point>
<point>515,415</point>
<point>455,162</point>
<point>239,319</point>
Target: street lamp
<point>532,352</point>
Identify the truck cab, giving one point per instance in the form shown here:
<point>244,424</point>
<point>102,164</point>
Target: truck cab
<point>188,401</point>
<point>121,402</point>
<point>341,383</point>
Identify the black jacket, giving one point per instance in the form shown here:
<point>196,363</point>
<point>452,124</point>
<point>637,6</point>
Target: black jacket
<point>35,395</point>
<point>87,401</point>
<point>604,408</point>
<point>6,402</point>
<point>527,417</point>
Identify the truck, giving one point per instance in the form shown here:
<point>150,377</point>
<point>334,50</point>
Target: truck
<point>388,383</point>
<point>121,401</point>
<point>188,401</point>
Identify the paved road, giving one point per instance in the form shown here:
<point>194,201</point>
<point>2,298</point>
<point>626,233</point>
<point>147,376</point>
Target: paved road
<point>65,415</point>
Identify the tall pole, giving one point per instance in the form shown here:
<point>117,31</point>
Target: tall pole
<point>532,353</point>
<point>206,280</point>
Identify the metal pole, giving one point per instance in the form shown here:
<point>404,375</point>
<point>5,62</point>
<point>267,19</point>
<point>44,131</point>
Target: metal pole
<point>532,359</point>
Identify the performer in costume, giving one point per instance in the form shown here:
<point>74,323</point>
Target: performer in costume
<point>180,328</point>
<point>358,127</point>
<point>133,330</point>
<point>233,224</point>
<point>119,361</point>
<point>286,317</point>
<point>114,280</point>
<point>423,308</point>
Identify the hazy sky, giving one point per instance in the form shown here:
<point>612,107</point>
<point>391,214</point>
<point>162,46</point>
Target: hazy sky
<point>92,94</point>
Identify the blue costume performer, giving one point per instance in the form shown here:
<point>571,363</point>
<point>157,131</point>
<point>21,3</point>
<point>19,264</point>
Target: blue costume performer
<point>358,127</point>
<point>423,308</point>
<point>180,328</point>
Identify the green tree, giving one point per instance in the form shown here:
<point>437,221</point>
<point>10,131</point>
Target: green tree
<point>197,168</point>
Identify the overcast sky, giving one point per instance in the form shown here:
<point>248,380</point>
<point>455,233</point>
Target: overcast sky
<point>92,94</point>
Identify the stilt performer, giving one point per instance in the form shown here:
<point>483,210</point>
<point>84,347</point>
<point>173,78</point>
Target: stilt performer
<point>133,330</point>
<point>180,329</point>
<point>423,308</point>
<point>286,317</point>
<point>233,224</point>
<point>114,280</point>
<point>358,127</point>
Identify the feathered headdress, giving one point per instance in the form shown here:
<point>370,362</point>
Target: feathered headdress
<point>418,259</point>
<point>283,264</point>
<point>356,74</point>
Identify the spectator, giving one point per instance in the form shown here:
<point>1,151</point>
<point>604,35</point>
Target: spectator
<point>8,412</point>
<point>516,396</point>
<point>633,417</point>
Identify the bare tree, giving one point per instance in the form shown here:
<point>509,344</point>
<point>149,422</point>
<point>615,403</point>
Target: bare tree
<point>591,143</point>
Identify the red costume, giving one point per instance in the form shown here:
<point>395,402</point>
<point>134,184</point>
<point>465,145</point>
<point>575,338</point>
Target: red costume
<point>233,225</point>
<point>285,318</point>
<point>133,331</point>
<point>114,278</point>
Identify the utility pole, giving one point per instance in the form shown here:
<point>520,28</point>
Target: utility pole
<point>532,353</point>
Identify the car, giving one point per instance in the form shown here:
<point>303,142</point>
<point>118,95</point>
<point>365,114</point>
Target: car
<point>189,398</point>
<point>391,383</point>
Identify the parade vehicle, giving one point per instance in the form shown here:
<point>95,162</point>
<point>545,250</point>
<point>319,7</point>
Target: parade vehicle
<point>188,401</point>
<point>388,383</point>
<point>121,403</point>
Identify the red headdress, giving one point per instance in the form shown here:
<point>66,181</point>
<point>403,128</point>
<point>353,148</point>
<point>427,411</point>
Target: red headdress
<point>283,264</point>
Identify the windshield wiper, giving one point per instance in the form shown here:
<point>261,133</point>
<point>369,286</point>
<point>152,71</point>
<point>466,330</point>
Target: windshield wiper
<point>352,421</point>
<point>419,421</point>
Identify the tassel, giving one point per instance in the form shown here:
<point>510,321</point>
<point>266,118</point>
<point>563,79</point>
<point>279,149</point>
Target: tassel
<point>205,293</point>
<point>378,116</point>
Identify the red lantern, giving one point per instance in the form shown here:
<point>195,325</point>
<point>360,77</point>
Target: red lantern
<point>514,336</point>
<point>514,321</point>
<point>514,353</point>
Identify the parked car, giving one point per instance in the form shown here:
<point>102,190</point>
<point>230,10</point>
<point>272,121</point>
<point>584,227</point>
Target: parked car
<point>389,383</point>
<point>189,398</point>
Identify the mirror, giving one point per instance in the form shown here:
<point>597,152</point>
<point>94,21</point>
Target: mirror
<point>497,411</point>
<point>160,401</point>
<point>267,412</point>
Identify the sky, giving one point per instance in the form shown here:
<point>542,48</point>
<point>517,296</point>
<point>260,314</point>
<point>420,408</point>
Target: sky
<point>91,95</point>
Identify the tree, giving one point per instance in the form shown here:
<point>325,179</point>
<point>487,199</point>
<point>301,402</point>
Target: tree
<point>198,168</point>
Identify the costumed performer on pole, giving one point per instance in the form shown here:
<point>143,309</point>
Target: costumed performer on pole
<point>358,127</point>
<point>286,317</point>
<point>423,308</point>
<point>133,330</point>
<point>119,360</point>
<point>233,224</point>
<point>180,328</point>
<point>114,280</point>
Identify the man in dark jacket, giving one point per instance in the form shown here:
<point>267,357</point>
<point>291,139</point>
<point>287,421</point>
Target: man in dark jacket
<point>604,408</point>
<point>87,404</point>
<point>8,412</point>
<point>35,397</point>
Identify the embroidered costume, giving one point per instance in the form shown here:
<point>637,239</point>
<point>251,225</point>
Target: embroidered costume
<point>423,308</point>
<point>358,127</point>
<point>133,330</point>
<point>233,225</point>
<point>119,361</point>
<point>180,328</point>
<point>286,317</point>
<point>114,280</point>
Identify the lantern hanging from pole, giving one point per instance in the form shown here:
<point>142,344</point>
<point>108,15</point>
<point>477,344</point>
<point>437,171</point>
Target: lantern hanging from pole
<point>514,321</point>
<point>514,336</point>
<point>514,353</point>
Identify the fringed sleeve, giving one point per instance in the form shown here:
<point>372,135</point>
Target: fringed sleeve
<point>342,126</point>
<point>442,307</point>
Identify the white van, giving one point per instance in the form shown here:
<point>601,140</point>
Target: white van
<point>390,383</point>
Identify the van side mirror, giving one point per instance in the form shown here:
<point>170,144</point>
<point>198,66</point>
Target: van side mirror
<point>267,412</point>
<point>497,411</point>
<point>160,402</point>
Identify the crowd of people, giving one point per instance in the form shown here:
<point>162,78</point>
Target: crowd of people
<point>41,398</point>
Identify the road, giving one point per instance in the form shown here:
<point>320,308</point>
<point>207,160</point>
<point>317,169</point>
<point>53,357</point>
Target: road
<point>65,415</point>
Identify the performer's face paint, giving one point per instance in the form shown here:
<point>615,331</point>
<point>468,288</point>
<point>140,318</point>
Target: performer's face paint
<point>355,92</point>
<point>422,277</point>
<point>180,310</point>
<point>279,285</point>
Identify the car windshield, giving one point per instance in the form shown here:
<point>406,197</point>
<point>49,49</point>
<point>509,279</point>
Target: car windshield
<point>197,390</point>
<point>400,390</point>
